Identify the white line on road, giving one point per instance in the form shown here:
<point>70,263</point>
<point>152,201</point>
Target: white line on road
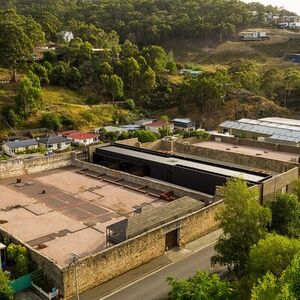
<point>154,272</point>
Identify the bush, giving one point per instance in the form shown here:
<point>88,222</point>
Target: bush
<point>18,255</point>
<point>51,121</point>
<point>145,136</point>
<point>196,133</point>
<point>6,292</point>
<point>130,104</point>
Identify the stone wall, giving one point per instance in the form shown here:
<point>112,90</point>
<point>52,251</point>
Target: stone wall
<point>114,261</point>
<point>277,183</point>
<point>19,167</point>
<point>150,182</point>
<point>50,269</point>
<point>235,158</point>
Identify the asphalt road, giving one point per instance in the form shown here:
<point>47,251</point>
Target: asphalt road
<point>154,286</point>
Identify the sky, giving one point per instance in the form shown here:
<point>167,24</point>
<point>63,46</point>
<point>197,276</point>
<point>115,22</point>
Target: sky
<point>291,5</point>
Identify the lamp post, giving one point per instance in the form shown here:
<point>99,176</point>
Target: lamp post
<point>74,261</point>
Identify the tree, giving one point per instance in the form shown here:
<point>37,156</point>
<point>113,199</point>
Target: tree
<point>41,72</point>
<point>243,221</point>
<point>132,72</point>
<point>73,78</point>
<point>291,82</point>
<point>272,254</point>
<point>19,256</point>
<point>145,136</point>
<point>51,121</point>
<point>15,47</point>
<point>148,82</point>
<point>245,74</point>
<point>129,49</point>
<point>270,288</point>
<point>58,74</point>
<point>271,81</point>
<point>29,95</point>
<point>291,277</point>
<point>6,292</point>
<point>116,86</point>
<point>201,286</point>
<point>285,215</point>
<point>156,57</point>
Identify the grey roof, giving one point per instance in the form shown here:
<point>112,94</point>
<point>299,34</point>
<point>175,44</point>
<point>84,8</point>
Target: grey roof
<point>173,161</point>
<point>21,144</point>
<point>264,128</point>
<point>53,139</point>
<point>282,121</point>
<point>155,217</point>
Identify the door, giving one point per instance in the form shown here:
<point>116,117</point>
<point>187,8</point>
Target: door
<point>171,239</point>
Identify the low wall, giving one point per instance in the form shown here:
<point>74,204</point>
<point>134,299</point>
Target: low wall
<point>19,167</point>
<point>114,261</point>
<point>235,158</point>
<point>152,183</point>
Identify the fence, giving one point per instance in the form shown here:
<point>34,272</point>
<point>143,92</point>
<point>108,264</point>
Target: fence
<point>24,282</point>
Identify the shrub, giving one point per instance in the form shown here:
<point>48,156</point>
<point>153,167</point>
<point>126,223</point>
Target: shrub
<point>145,136</point>
<point>6,292</point>
<point>19,256</point>
<point>51,121</point>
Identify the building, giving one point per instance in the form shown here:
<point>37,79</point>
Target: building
<point>144,122</point>
<point>198,175</point>
<point>185,124</point>
<point>193,73</point>
<point>294,25</point>
<point>23,146</point>
<point>293,57</point>
<point>156,126</point>
<point>254,36</point>
<point>128,207</point>
<point>83,138</point>
<point>55,142</point>
<point>272,130</point>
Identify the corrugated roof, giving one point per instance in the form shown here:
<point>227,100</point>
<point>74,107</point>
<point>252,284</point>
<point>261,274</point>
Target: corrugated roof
<point>184,121</point>
<point>21,144</point>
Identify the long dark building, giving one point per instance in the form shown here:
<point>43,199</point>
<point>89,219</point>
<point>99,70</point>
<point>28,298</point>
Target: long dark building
<point>198,175</point>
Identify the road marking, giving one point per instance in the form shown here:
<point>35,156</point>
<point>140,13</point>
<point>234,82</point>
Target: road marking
<point>154,272</point>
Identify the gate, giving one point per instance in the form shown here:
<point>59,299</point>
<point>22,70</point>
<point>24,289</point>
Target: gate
<point>24,282</point>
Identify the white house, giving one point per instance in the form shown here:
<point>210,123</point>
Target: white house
<point>83,138</point>
<point>185,124</point>
<point>254,36</point>
<point>12,148</point>
<point>67,36</point>
<point>55,142</point>
<point>156,126</point>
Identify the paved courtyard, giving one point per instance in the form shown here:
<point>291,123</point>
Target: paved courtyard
<point>67,211</point>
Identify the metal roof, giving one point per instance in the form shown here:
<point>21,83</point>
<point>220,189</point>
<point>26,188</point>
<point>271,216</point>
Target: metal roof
<point>53,139</point>
<point>282,121</point>
<point>176,161</point>
<point>262,127</point>
<point>21,144</point>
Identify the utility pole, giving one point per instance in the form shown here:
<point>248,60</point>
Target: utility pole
<point>74,261</point>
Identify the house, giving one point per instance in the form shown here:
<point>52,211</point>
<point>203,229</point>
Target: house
<point>83,138</point>
<point>294,25</point>
<point>185,124</point>
<point>254,36</point>
<point>193,73</point>
<point>131,127</point>
<point>67,36</point>
<point>156,126</point>
<point>144,122</point>
<point>112,129</point>
<point>23,146</point>
<point>55,142</point>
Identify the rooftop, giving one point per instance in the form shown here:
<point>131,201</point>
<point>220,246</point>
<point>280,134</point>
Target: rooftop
<point>185,121</point>
<point>21,144</point>
<point>53,139</point>
<point>76,206</point>
<point>82,136</point>
<point>253,151</point>
<point>186,163</point>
